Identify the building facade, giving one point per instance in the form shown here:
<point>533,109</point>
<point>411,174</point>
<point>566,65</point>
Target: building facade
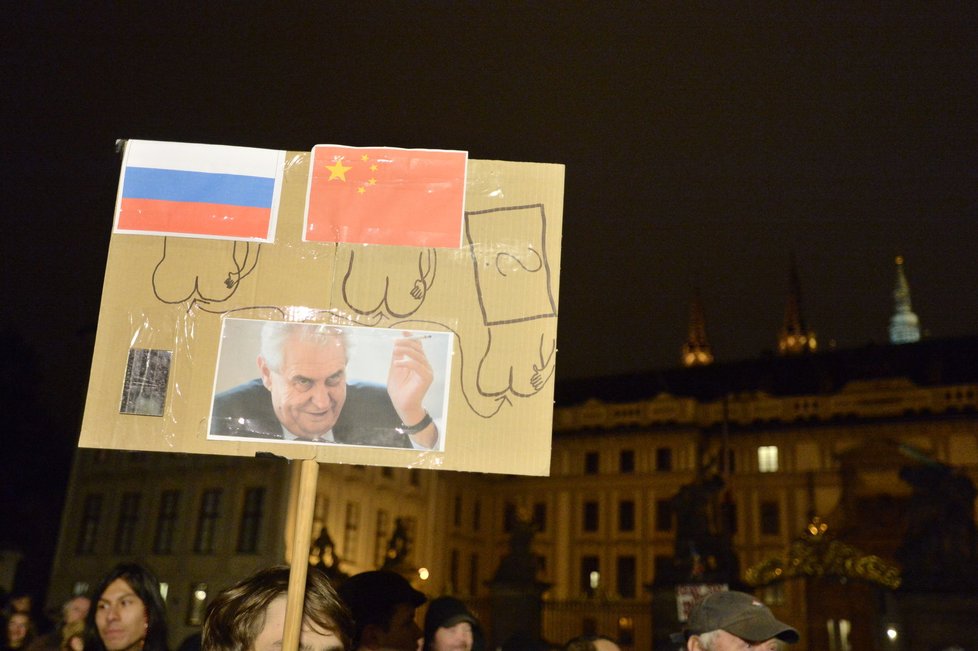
<point>779,431</point>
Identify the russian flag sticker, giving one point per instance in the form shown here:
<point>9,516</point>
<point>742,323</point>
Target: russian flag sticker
<point>207,191</point>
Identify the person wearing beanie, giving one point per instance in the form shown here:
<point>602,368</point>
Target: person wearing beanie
<point>449,626</point>
<point>383,604</point>
<point>728,621</point>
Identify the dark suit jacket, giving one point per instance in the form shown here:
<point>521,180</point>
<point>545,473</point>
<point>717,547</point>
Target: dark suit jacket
<point>367,418</point>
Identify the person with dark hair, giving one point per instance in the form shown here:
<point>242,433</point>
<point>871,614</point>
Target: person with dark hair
<point>250,615</point>
<point>129,614</point>
<point>383,605</point>
<point>450,626</point>
<point>591,643</point>
<point>20,631</point>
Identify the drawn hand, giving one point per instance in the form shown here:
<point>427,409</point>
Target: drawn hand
<point>417,292</point>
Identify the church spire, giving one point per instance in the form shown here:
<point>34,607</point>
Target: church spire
<point>696,351</point>
<point>904,324</point>
<point>795,337</point>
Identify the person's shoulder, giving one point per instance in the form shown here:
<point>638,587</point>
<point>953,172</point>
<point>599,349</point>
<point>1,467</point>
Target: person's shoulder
<point>372,396</point>
<point>366,390</point>
<point>244,390</point>
<point>50,641</point>
<point>245,410</point>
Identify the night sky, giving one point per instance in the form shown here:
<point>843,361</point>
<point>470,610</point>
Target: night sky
<point>702,147</point>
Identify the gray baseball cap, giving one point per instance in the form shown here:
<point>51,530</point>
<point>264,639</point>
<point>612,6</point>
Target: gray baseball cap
<point>740,614</point>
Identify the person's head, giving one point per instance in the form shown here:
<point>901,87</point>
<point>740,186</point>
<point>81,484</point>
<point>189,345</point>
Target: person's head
<point>75,609</point>
<point>725,621</point>
<point>304,368</point>
<point>449,626</point>
<point>383,604</point>
<point>128,613</point>
<point>21,603</point>
<point>19,630</point>
<point>591,643</point>
<point>250,615</point>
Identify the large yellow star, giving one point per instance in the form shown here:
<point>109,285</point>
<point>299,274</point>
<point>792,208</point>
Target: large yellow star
<point>338,170</point>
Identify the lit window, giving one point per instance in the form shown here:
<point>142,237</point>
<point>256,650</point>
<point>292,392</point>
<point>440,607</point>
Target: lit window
<point>590,575</point>
<point>198,599</point>
<point>626,631</point>
<point>767,458</point>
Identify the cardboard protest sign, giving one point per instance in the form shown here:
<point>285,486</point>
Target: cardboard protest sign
<point>453,346</point>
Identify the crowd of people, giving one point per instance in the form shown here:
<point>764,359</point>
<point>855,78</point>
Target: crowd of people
<point>371,611</point>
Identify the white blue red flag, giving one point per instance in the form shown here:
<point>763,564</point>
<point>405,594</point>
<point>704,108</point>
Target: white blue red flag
<point>191,190</point>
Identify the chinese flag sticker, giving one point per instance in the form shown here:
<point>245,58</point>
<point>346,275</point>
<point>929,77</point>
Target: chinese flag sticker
<point>385,195</point>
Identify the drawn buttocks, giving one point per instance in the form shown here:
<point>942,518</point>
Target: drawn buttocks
<point>202,271</point>
<point>376,281</point>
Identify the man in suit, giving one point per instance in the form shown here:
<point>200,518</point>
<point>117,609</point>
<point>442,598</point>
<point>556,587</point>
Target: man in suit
<point>302,393</point>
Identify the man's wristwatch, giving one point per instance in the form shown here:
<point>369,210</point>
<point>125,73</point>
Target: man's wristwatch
<point>414,429</point>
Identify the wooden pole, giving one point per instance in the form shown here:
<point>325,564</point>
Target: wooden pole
<point>299,556</point>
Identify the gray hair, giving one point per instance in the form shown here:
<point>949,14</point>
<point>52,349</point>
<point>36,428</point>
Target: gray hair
<point>274,335</point>
<point>707,639</point>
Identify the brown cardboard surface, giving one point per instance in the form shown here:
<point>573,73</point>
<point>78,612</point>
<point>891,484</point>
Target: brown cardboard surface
<point>497,294</point>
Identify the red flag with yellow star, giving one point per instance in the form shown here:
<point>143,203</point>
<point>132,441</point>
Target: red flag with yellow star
<point>385,195</point>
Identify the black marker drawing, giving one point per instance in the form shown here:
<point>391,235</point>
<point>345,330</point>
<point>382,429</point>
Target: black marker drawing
<point>523,270</point>
<point>177,277</point>
<point>392,293</point>
<point>509,356</point>
<point>520,353</point>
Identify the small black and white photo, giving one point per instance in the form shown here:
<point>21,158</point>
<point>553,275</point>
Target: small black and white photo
<point>147,375</point>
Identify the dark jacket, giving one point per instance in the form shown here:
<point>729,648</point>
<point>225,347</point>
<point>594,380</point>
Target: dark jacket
<point>368,416</point>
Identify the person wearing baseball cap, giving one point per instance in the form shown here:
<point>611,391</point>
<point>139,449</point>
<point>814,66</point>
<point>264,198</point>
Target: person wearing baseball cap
<point>450,626</point>
<point>383,605</point>
<point>735,621</point>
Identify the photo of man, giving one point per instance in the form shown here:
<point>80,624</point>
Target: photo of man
<point>308,389</point>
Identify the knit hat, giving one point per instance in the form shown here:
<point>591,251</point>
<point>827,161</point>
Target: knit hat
<point>445,612</point>
<point>375,590</point>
